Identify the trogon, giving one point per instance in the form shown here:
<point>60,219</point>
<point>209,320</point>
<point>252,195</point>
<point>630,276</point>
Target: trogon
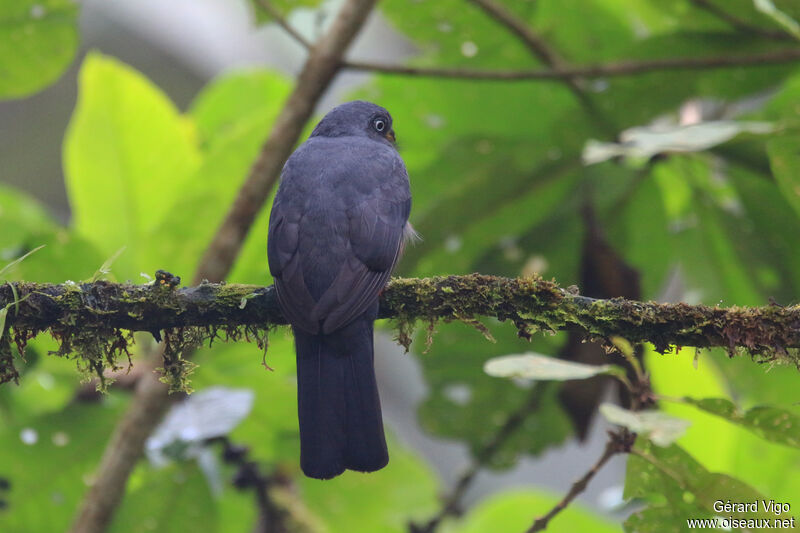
<point>337,229</point>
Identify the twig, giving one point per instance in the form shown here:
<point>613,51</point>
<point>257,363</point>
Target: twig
<point>151,398</point>
<point>525,33</point>
<point>739,24</point>
<point>617,443</point>
<point>547,55</point>
<point>450,506</point>
<point>281,21</point>
<point>621,68</point>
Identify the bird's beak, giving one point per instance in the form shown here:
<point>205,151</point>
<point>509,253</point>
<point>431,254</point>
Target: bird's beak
<point>390,136</point>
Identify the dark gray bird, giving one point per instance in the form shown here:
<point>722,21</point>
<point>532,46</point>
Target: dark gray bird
<point>336,231</point>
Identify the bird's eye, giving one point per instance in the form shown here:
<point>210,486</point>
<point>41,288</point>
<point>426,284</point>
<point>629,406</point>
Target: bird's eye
<point>379,125</point>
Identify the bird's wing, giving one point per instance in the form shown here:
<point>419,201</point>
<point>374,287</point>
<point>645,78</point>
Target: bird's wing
<point>285,266</point>
<point>375,227</point>
<point>346,231</point>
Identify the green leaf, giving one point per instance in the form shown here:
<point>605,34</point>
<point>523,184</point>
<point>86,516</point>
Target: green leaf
<point>515,510</point>
<point>128,157</point>
<point>352,502</point>
<point>784,159</point>
<point>466,404</point>
<point>783,19</point>
<point>47,385</point>
<point>542,368</point>
<point>234,115</point>
<point>105,268</point>
<point>54,455</point>
<point>385,501</point>
<point>173,499</point>
<point>38,39</point>
<point>659,427</point>
<point>271,428</point>
<point>23,219</point>
<point>17,261</point>
<point>678,488</point>
<point>771,423</point>
<point>236,97</point>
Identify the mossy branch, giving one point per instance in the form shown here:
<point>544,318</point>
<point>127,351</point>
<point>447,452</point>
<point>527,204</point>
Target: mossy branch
<point>85,316</point>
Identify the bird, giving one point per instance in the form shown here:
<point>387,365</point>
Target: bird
<point>337,228</point>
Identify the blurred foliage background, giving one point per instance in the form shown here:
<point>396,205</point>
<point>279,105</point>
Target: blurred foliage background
<point>506,180</point>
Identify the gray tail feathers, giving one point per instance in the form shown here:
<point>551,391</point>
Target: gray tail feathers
<point>338,404</point>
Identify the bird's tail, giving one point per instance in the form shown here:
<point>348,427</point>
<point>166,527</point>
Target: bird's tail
<point>338,404</point>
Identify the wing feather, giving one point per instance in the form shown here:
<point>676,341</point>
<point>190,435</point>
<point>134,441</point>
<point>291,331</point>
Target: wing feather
<point>339,216</point>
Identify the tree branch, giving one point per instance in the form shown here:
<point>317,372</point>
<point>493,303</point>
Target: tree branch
<point>71,311</point>
<point>547,55</point>
<point>281,21</point>
<point>451,504</point>
<point>525,33</point>
<point>621,68</point>
<point>617,443</point>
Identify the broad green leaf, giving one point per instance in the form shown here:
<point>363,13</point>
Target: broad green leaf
<point>128,157</point>
<point>27,226</point>
<point>53,455</point>
<point>515,510</point>
<point>65,256</point>
<point>23,219</point>
<point>633,100</point>
<point>234,115</point>
<point>733,447</point>
<point>386,500</point>
<point>271,428</point>
<point>465,404</point>
<point>352,502</point>
<point>47,384</point>
<point>782,107</point>
<point>659,427</point>
<point>543,367</point>
<point>716,249</point>
<point>772,423</point>
<point>639,231</point>
<point>38,39</point>
<point>784,159</point>
<point>771,10</point>
<point>767,228</point>
<point>173,499</point>
<point>678,488</point>
<point>235,97</point>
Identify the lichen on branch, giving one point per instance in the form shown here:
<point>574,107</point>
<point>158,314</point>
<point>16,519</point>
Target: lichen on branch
<point>93,320</point>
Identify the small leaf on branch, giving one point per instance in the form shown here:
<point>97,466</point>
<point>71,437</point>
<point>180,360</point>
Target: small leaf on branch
<point>659,427</point>
<point>543,368</point>
<point>105,268</point>
<point>770,423</point>
<point>3,314</point>
<point>646,141</point>
<point>18,260</point>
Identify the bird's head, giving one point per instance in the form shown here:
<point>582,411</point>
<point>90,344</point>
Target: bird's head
<point>357,119</point>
